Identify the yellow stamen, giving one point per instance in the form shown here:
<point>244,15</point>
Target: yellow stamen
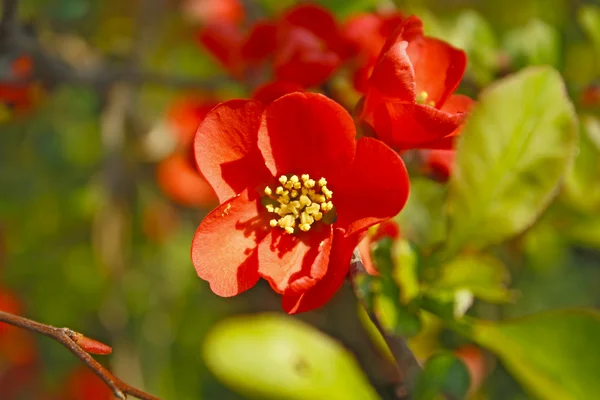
<point>299,202</point>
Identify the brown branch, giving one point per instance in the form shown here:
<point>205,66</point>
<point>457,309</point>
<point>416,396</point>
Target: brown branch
<point>408,366</point>
<point>69,338</point>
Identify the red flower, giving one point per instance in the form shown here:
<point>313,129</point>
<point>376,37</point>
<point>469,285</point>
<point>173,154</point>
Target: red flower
<point>177,174</point>
<point>409,102</point>
<point>270,92</point>
<point>296,191</point>
<point>227,11</point>
<point>82,383</point>
<point>438,163</point>
<point>368,32</point>
<point>306,46</point>
<point>19,94</point>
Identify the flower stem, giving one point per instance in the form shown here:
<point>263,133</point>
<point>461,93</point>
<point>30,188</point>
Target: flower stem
<point>406,362</point>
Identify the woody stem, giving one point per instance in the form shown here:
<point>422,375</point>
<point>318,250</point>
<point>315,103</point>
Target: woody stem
<point>406,362</point>
<point>66,337</point>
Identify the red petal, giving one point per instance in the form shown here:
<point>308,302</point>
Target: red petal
<point>410,30</point>
<point>185,115</point>
<point>226,150</point>
<point>439,163</point>
<point>304,58</point>
<point>294,263</point>
<point>393,76</point>
<point>224,42</point>
<point>364,247</point>
<point>413,126</point>
<point>438,68</point>
<point>307,133</point>
<point>323,291</point>
<point>316,19</point>
<point>223,249</point>
<point>458,104</point>
<point>261,42</point>
<point>270,92</point>
<point>376,187</point>
<point>179,179</point>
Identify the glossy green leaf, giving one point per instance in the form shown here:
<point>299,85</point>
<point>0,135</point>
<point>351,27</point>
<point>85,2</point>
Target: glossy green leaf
<point>536,43</point>
<point>444,376</point>
<point>511,157</point>
<point>554,355</point>
<point>272,356</point>
<point>483,276</point>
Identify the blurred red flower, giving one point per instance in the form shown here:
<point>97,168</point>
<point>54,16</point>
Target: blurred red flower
<point>269,92</point>
<point>368,32</point>
<point>177,175</point>
<point>18,354</point>
<point>82,383</point>
<point>438,163</point>
<point>305,45</point>
<point>211,11</point>
<point>19,94</point>
<point>296,190</point>
<point>409,102</point>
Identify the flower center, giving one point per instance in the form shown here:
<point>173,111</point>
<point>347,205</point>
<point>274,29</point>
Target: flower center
<point>422,99</point>
<point>299,202</point>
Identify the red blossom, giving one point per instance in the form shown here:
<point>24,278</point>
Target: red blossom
<point>82,383</point>
<point>271,91</point>
<point>368,32</point>
<point>305,45</point>
<point>177,174</point>
<point>438,163</point>
<point>212,11</point>
<point>409,102</point>
<point>265,162</point>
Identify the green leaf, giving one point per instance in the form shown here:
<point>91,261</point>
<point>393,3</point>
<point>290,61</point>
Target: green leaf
<point>472,33</point>
<point>554,354</point>
<point>513,153</point>
<point>272,356</point>
<point>396,317</point>
<point>422,220</point>
<point>536,43</point>
<point>483,276</point>
<point>444,376</point>
<point>589,19</point>
<point>581,186</point>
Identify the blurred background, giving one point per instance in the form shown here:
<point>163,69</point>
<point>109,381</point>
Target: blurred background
<point>99,198</point>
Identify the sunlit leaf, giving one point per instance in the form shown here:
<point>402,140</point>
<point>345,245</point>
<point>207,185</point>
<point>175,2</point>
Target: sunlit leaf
<point>511,157</point>
<point>275,357</point>
<point>589,18</point>
<point>422,219</point>
<point>536,43</point>
<point>554,355</point>
<point>581,186</point>
<point>472,33</point>
<point>483,276</point>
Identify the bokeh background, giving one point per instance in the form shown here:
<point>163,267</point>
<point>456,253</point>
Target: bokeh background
<point>97,215</point>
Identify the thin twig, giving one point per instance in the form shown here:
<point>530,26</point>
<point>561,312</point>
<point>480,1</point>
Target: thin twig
<point>67,338</point>
<point>408,366</point>
<point>8,22</point>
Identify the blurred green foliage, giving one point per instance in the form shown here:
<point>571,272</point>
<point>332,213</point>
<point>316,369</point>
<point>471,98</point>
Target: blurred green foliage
<point>79,252</point>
